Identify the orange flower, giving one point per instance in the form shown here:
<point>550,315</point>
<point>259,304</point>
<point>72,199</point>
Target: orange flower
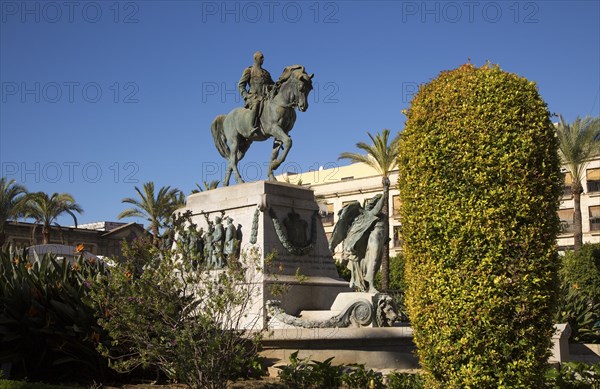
<point>33,311</point>
<point>95,337</point>
<point>575,286</point>
<point>128,274</point>
<point>28,265</point>
<point>75,266</point>
<point>36,293</point>
<point>16,260</point>
<point>80,248</point>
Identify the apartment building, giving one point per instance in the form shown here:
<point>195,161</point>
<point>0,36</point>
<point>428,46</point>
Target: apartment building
<point>103,239</point>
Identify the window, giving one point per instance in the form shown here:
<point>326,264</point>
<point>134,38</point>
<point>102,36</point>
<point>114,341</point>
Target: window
<point>566,220</point>
<point>593,180</point>
<point>328,218</point>
<point>396,205</point>
<point>397,237</point>
<point>595,218</point>
<point>567,184</point>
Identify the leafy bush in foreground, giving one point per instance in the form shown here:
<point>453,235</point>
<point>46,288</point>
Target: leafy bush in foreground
<point>574,375</point>
<point>307,374</point>
<point>582,270</point>
<point>582,314</point>
<point>579,300</point>
<point>479,182</point>
<point>188,324</point>
<point>47,331</point>
<point>7,384</point>
<point>397,380</point>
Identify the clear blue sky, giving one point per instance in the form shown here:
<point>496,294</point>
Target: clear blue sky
<point>100,96</point>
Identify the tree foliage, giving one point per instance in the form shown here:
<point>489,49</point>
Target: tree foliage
<point>578,143</point>
<point>192,325</point>
<point>12,197</point>
<point>156,209</point>
<point>579,302</point>
<point>45,209</point>
<point>210,185</point>
<point>582,269</point>
<point>479,180</point>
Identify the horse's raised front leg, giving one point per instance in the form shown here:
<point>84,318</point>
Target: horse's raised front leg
<point>276,147</point>
<point>284,141</point>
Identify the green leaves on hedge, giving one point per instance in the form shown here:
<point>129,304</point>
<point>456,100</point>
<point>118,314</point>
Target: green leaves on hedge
<point>480,182</point>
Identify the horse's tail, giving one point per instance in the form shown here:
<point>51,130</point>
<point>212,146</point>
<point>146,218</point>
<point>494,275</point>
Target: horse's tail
<point>216,128</point>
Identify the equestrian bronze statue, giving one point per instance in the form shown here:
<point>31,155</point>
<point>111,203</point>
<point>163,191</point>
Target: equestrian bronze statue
<point>269,112</point>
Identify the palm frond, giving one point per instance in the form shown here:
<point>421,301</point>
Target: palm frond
<point>578,143</point>
<point>12,200</point>
<point>156,207</point>
<point>131,212</point>
<point>379,155</point>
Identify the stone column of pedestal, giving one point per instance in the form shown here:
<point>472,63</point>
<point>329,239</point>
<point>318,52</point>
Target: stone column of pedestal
<point>279,221</point>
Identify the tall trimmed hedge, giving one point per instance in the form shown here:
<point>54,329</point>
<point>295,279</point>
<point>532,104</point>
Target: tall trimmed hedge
<point>480,185</point>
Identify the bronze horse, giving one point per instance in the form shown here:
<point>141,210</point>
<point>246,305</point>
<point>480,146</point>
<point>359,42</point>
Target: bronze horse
<point>234,133</point>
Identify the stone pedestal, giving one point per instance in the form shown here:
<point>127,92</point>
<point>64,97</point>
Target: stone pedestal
<point>560,343</point>
<point>377,348</point>
<point>281,222</point>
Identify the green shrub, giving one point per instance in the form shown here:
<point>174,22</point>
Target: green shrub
<point>343,271</point>
<point>303,373</point>
<point>581,270</point>
<point>356,376</point>
<point>397,380</point>
<point>574,375</point>
<point>579,300</point>
<point>397,282</point>
<point>310,374</point>
<point>479,181</point>
<point>47,330</point>
<point>185,323</point>
<point>6,384</point>
<point>581,312</point>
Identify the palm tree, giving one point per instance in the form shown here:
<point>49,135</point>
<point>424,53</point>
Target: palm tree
<point>207,186</point>
<point>12,197</point>
<point>578,142</point>
<point>156,209</point>
<point>46,209</point>
<point>382,157</point>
